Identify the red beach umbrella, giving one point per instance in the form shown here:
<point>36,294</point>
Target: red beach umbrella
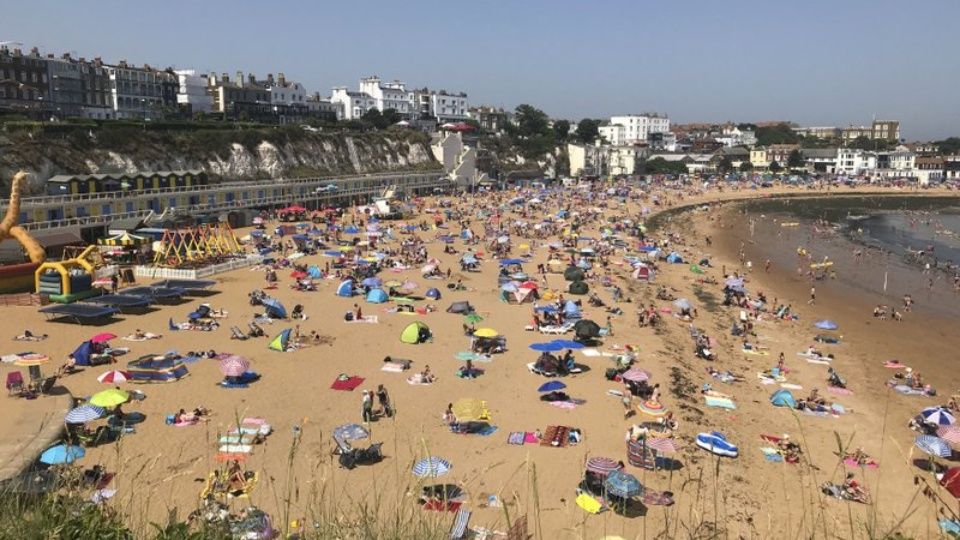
<point>951,481</point>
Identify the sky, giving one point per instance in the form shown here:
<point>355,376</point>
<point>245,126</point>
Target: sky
<point>814,62</point>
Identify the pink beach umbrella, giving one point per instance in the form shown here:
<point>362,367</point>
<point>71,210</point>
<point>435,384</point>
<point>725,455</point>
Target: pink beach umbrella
<point>114,376</point>
<point>103,337</point>
<point>234,366</point>
<point>950,433</point>
<point>635,375</point>
<point>662,444</point>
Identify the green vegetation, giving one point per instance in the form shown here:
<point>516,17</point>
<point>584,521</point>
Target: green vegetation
<point>950,145</point>
<point>662,166</point>
<point>725,165</point>
<point>864,143</point>
<point>746,167</point>
<point>588,130</point>
<point>795,160</point>
<point>778,134</point>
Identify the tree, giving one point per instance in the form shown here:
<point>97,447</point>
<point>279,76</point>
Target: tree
<point>588,130</point>
<point>390,117</point>
<point>747,127</point>
<point>373,117</point>
<point>795,160</point>
<point>725,165</point>
<point>561,130</point>
<point>950,145</point>
<point>778,134</point>
<point>531,121</point>
<point>746,167</point>
<point>866,143</point>
<point>472,122</point>
<point>661,166</point>
<point>775,167</point>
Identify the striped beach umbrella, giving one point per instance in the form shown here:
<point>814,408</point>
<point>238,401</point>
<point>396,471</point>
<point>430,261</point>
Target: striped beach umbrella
<point>602,465</point>
<point>937,416</point>
<point>31,359</point>
<point>114,376</point>
<point>635,375</point>
<point>432,466</point>
<point>663,444</point>
<point>652,408</point>
<point>622,484</point>
<point>234,366</point>
<point>83,414</point>
<point>935,446</point>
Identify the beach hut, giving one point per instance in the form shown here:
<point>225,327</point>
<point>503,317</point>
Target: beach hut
<point>414,333</point>
<point>345,289</point>
<point>579,288</point>
<point>280,342</point>
<point>157,369</point>
<point>377,296</point>
<point>783,398</point>
<point>433,293</point>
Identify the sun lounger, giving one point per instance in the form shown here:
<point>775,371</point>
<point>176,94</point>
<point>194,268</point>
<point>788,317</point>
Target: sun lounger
<point>460,523</point>
<point>79,313</point>
<point>556,330</point>
<point>392,367</point>
<point>236,333</point>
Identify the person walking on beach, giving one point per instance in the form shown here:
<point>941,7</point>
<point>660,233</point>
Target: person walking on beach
<point>367,406</point>
<point>384,398</point>
<point>813,296</point>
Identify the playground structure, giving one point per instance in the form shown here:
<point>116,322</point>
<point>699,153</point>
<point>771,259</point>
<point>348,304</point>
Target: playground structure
<point>197,246</point>
<point>18,277</point>
<point>71,279</point>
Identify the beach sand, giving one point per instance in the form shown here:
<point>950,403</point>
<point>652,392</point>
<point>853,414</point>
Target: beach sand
<point>161,467</point>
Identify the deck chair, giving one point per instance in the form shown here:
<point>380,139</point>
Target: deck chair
<point>46,385</point>
<point>459,528</point>
<point>236,333</point>
<point>15,383</point>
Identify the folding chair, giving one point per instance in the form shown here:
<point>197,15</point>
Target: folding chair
<point>15,383</point>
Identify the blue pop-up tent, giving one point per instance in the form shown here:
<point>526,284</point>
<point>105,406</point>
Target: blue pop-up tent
<point>571,310</point>
<point>433,293</point>
<point>81,355</point>
<point>345,289</point>
<point>274,308</point>
<point>377,296</point>
<point>315,272</point>
<point>783,398</point>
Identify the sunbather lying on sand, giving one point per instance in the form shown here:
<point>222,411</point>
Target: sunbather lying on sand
<point>30,336</point>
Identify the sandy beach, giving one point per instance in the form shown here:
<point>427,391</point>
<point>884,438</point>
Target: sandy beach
<point>161,467</point>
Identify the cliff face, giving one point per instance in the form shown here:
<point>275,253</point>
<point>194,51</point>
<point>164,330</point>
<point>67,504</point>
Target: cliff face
<point>248,154</point>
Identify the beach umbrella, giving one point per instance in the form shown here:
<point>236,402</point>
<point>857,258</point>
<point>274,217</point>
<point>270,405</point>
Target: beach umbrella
<point>569,344</point>
<point>486,332</point>
<point>83,414</point>
<point>951,481</point>
<point>274,308</point>
<point>31,360</point>
<point>234,366</point>
<point>935,446</point>
<point>635,375</point>
<point>622,484</point>
<point>432,466</point>
<point>734,282</point>
<point>551,386</point>
<point>652,408</point>
<point>371,282</point>
<point>409,285</point>
<point>114,376</point>
<point>662,444</point>
<point>62,453</point>
<point>826,325</point>
<point>683,303</point>
<point>103,337</point>
<point>937,416</point>
<point>469,410</point>
<point>473,318</point>
<point>951,434</point>
<point>109,399</point>
<point>392,283</point>
<point>602,465</point>
<point>350,432</point>
<point>547,347</point>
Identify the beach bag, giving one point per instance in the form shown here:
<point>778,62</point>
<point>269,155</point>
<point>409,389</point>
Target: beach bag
<point>348,316</point>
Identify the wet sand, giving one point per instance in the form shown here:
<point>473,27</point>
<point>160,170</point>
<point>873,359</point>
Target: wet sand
<point>158,467</point>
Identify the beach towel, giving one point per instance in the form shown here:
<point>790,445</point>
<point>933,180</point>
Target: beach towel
<point>245,439</point>
<point>568,405</point>
<point>771,454</point>
<point>821,360</point>
<point>791,386</point>
<point>836,390</point>
<point>590,352</point>
<point>367,319</point>
<point>894,364</point>
<point>392,368</point>
<point>652,497</point>
<point>755,352</point>
<point>347,384</point>
<point>234,385</point>
<point>870,464</point>
<point>530,437</point>
<point>516,437</point>
<point>906,390</point>
<point>228,456</point>
<point>722,403</point>
<point>558,436</point>
<point>236,448</point>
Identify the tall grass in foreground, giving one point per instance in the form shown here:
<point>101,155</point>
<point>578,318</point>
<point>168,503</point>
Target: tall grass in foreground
<point>323,509</point>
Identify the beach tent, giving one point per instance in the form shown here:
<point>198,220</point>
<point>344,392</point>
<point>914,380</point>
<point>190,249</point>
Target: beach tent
<point>280,342</point>
<point>351,229</point>
<point>377,296</point>
<point>571,310</point>
<point>156,369</point>
<point>461,308</point>
<point>642,273</point>
<point>433,293</point>
<point>578,287</point>
<point>586,329</point>
<point>345,289</point>
<point>81,355</point>
<point>274,308</point>
<point>674,258</point>
<point>783,398</point>
<point>315,272</point>
<point>572,273</point>
<point>414,333</point>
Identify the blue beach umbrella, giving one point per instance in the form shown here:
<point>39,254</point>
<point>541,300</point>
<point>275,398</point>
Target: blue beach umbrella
<point>937,416</point>
<point>549,346</point>
<point>83,414</point>
<point>432,466</point>
<point>551,386</point>
<point>622,484</point>
<point>935,446</point>
<point>371,282</point>
<point>569,344</point>
<point>826,325</point>
<point>62,453</point>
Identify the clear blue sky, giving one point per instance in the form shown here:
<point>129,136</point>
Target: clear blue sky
<point>817,62</point>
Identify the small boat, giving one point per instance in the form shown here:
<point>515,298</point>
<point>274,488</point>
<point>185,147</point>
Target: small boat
<point>716,443</point>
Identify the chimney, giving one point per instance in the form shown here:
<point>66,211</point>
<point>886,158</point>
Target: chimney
<point>212,79</point>
<point>66,56</point>
<point>270,79</point>
<point>83,60</point>
<point>98,61</point>
<point>225,77</point>
<point>252,78</point>
<point>281,79</point>
<point>239,78</point>
<point>35,51</point>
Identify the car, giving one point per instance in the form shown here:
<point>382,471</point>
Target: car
<point>327,188</point>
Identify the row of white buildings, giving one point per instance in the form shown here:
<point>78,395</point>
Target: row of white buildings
<point>413,104</point>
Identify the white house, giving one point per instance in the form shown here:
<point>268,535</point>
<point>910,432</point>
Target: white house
<point>192,91</point>
<point>392,95</point>
<point>284,92</point>
<point>734,136</point>
<point>623,159</point>
<point>853,161</point>
<point>445,106</point>
<point>351,105</point>
<point>632,129</point>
